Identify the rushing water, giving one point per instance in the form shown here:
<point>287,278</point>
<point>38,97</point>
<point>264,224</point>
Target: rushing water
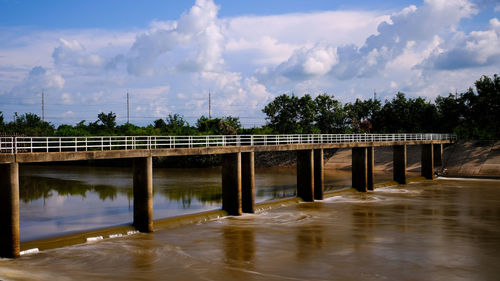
<point>62,199</point>
<point>432,230</point>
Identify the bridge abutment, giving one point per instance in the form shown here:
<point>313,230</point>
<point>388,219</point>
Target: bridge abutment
<point>9,210</point>
<point>319,174</point>
<point>231,183</point>
<point>359,168</point>
<point>143,194</point>
<point>427,169</point>
<point>305,175</point>
<point>399,164</point>
<point>247,182</point>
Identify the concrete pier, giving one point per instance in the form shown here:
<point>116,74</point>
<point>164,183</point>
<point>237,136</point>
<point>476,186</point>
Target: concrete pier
<point>359,169</point>
<point>319,174</point>
<point>9,210</point>
<point>438,155</point>
<point>305,175</point>
<point>143,194</point>
<point>399,164</point>
<point>370,162</point>
<point>428,161</point>
<point>247,182</point>
<point>231,183</point>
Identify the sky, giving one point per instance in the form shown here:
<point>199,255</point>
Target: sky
<point>85,56</point>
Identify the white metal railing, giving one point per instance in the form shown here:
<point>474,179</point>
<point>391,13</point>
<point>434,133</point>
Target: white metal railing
<point>60,144</point>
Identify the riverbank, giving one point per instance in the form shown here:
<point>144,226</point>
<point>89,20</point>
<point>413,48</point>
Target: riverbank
<point>466,159</point>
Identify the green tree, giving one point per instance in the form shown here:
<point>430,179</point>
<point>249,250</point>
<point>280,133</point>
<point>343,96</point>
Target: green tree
<point>218,126</point>
<point>330,116</point>
<point>108,121</point>
<point>29,124</point>
<point>282,116</point>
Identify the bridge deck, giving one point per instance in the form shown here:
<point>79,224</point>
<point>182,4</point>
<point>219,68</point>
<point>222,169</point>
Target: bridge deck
<point>31,157</point>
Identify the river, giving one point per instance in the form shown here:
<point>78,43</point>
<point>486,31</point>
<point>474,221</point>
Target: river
<point>431,230</point>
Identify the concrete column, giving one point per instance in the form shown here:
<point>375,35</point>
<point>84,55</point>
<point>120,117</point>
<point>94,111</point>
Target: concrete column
<point>399,164</point>
<point>370,160</point>
<point>438,155</point>
<point>428,161</point>
<point>9,210</point>
<point>305,175</point>
<point>359,168</point>
<point>319,175</point>
<point>231,183</point>
<point>143,194</point>
<point>247,182</point>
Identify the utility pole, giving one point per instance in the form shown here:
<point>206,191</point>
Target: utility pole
<point>43,106</point>
<point>209,105</point>
<point>128,109</point>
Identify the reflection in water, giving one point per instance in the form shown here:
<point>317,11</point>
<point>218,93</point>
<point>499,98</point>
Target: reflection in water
<point>239,246</point>
<point>309,238</point>
<point>34,187</point>
<point>58,199</point>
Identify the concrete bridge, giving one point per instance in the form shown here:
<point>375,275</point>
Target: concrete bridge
<point>237,165</point>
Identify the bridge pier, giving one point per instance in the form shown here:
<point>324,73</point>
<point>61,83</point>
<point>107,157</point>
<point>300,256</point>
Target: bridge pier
<point>427,169</point>
<point>9,210</point>
<point>319,174</point>
<point>438,155</point>
<point>143,194</point>
<point>305,175</point>
<point>399,164</point>
<point>360,169</point>
<point>370,160</point>
<point>247,182</point>
<point>231,183</point>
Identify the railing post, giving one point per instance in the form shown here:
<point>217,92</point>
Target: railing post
<point>31,144</point>
<point>60,148</point>
<point>76,145</point>
<point>102,144</point>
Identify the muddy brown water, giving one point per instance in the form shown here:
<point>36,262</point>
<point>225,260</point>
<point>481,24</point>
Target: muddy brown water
<point>431,230</point>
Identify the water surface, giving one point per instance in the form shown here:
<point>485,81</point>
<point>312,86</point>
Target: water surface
<point>439,230</point>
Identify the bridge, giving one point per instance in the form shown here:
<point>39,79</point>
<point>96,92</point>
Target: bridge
<point>237,165</point>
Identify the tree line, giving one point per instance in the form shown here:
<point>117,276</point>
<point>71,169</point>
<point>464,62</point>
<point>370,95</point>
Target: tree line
<point>474,114</point>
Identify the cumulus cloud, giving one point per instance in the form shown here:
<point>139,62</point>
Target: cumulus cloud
<point>479,48</point>
<point>412,25</point>
<point>197,32</point>
<point>37,80</point>
<point>74,53</point>
<point>307,63</point>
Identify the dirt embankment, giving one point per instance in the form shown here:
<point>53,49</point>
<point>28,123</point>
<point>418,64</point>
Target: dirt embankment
<point>472,159</point>
<point>463,159</point>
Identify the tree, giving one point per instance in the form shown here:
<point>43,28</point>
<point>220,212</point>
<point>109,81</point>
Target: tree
<point>282,114</point>
<point>218,126</point>
<point>361,114</point>
<point>306,115</point>
<point>29,124</point>
<point>107,120</point>
<point>330,116</point>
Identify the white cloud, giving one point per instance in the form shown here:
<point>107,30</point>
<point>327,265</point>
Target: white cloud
<point>37,80</point>
<point>479,48</point>
<point>196,35</point>
<point>73,53</point>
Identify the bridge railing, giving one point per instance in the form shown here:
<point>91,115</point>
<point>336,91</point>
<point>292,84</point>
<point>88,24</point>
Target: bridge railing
<point>63,144</point>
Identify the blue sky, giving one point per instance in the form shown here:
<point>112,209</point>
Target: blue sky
<point>85,55</point>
